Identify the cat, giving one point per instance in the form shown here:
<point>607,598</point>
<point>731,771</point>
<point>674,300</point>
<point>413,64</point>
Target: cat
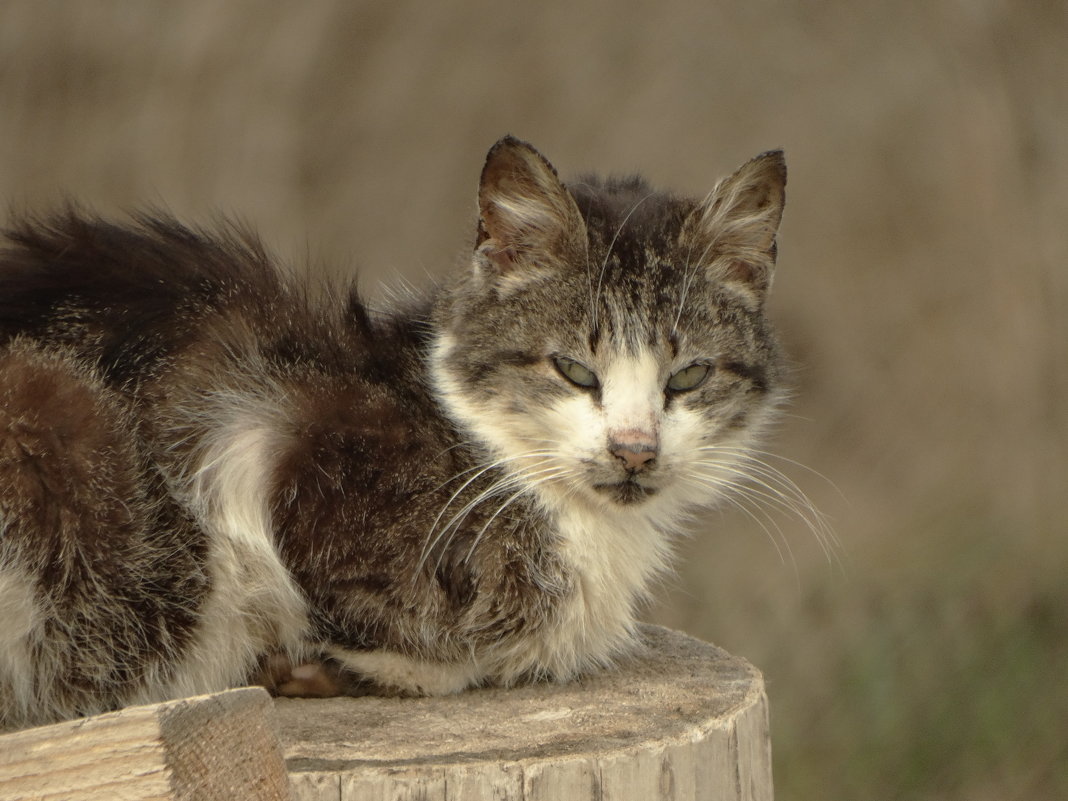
<point>206,465</point>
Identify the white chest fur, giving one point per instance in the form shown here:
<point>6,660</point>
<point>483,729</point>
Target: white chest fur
<point>613,555</point>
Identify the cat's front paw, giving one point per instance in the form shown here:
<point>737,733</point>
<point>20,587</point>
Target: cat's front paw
<point>305,680</point>
<point>318,678</point>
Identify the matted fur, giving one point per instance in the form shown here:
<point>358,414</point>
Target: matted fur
<point>203,470</point>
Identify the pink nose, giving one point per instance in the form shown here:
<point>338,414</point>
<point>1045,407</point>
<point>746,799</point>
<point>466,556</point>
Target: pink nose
<point>634,454</point>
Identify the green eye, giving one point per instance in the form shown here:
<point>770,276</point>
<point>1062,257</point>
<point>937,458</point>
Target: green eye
<point>578,374</point>
<point>689,378</point>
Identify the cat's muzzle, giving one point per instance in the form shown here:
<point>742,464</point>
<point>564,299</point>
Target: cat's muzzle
<point>628,491</point>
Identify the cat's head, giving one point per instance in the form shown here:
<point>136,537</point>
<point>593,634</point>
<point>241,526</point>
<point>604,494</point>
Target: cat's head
<point>608,343</point>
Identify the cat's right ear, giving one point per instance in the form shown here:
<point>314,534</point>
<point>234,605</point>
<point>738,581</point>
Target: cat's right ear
<point>526,216</point>
<point>733,231</point>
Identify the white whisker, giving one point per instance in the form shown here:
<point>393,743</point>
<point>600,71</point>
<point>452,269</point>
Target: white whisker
<point>733,494</point>
<point>508,502</point>
<point>608,255</point>
<point>690,272</point>
<point>747,474</point>
<point>503,484</point>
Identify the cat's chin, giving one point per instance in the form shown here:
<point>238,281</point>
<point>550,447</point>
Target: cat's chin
<point>625,493</point>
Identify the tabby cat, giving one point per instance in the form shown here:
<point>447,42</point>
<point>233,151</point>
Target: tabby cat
<point>207,464</point>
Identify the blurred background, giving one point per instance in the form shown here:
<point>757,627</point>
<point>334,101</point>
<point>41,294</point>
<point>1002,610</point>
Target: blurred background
<point>921,290</point>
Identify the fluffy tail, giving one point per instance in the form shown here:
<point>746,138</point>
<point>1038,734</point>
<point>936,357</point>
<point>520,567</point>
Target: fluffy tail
<point>124,295</point>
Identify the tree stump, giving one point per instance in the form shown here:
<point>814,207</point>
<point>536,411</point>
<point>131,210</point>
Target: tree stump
<point>681,721</point>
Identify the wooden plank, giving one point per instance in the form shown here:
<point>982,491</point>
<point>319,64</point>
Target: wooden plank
<point>217,747</point>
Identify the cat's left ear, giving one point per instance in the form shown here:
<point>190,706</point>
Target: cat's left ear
<point>732,232</point>
<point>527,218</point>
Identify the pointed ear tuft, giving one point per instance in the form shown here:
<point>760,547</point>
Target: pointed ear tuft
<point>525,213</point>
<point>734,229</point>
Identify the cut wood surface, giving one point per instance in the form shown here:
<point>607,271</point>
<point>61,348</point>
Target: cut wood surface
<point>220,747</point>
<point>682,721</point>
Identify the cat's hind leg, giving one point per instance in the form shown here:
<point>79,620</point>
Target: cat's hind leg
<point>78,631</point>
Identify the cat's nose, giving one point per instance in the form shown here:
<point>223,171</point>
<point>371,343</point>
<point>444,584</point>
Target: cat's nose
<point>635,453</point>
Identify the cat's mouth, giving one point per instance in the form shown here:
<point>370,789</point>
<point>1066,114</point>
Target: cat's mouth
<point>626,492</point>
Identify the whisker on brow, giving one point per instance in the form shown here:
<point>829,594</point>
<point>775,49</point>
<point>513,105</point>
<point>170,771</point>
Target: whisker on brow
<point>608,256</point>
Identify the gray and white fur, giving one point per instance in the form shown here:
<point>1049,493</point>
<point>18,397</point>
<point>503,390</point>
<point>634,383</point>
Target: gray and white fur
<point>205,465</point>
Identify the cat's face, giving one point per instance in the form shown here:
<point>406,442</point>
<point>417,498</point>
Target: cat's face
<point>609,343</point>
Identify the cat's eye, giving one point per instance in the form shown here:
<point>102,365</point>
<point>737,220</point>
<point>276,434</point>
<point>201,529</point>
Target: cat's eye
<point>577,373</point>
<point>689,378</point>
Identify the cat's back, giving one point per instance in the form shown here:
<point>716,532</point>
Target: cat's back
<point>130,296</point>
<point>207,337</point>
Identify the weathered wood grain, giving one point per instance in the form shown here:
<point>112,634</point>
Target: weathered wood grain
<point>220,747</point>
<point>682,721</point>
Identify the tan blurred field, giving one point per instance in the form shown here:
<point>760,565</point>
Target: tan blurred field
<point>922,290</point>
